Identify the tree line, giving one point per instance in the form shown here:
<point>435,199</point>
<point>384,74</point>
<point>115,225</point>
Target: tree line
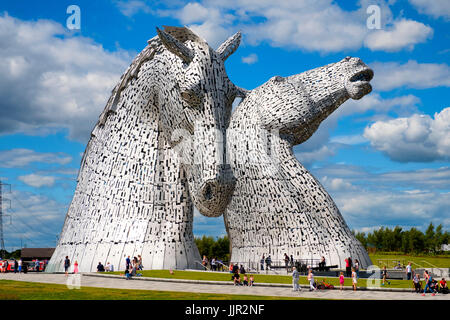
<point>219,248</point>
<point>407,241</point>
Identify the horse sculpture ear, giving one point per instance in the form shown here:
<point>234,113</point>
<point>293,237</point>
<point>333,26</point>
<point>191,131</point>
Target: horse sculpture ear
<point>176,47</point>
<point>227,48</point>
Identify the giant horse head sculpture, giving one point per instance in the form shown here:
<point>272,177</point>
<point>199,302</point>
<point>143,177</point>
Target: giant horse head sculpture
<point>156,150</point>
<point>194,96</point>
<point>277,206</point>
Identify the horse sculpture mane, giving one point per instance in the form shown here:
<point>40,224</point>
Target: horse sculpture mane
<point>135,194</point>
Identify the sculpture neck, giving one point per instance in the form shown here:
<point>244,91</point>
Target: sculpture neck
<point>326,91</point>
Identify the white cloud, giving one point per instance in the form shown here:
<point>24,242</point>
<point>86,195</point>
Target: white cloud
<point>16,158</point>
<point>391,75</point>
<point>320,147</point>
<point>250,59</point>
<point>36,220</point>
<point>349,139</point>
<point>404,198</point>
<point>195,12</point>
<point>37,181</point>
<point>130,8</point>
<point>421,179</point>
<point>434,8</point>
<point>310,25</point>
<point>337,184</point>
<point>367,208</point>
<point>307,157</point>
<point>417,138</point>
<point>51,79</point>
<point>403,34</point>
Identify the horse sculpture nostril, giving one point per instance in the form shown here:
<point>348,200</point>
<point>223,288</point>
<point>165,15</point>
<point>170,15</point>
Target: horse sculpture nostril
<point>208,193</point>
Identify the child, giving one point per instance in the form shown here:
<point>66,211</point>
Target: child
<point>251,281</point>
<point>245,280</point>
<point>354,279</point>
<point>341,281</point>
<point>312,286</point>
<point>384,274</point>
<point>75,267</point>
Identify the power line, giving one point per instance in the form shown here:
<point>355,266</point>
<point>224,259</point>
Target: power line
<point>36,218</point>
<point>30,228</point>
<point>2,240</point>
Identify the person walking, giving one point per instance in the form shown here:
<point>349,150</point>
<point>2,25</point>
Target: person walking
<point>384,274</point>
<point>75,267</point>
<point>408,271</point>
<point>268,262</point>
<point>66,265</point>
<point>141,266</point>
<point>262,262</point>
<point>357,268</point>
<point>128,262</point>
<point>341,281</point>
<point>428,282</point>
<point>312,286</point>
<point>354,279</point>
<point>286,262</point>
<point>16,266</point>
<point>295,279</point>
<point>20,265</point>
<point>347,267</point>
<point>416,282</point>
<point>322,264</point>
<point>36,265</point>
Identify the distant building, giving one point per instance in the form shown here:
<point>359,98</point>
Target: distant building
<point>445,247</point>
<point>30,254</point>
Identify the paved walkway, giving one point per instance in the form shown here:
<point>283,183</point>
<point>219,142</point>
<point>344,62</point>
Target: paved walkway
<point>106,282</point>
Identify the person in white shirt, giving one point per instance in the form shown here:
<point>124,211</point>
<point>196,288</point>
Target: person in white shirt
<point>354,279</point>
<point>311,281</point>
<point>295,278</point>
<point>408,271</point>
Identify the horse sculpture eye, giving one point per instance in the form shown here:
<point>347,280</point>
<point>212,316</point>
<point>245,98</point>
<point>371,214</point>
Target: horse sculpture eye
<point>191,98</point>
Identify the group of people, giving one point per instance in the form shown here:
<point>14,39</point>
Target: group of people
<point>19,266</point>
<point>267,260</point>
<point>132,266</point>
<point>431,285</point>
<point>313,284</point>
<point>351,267</point>
<point>100,266</point>
<point>236,276</point>
<point>67,265</point>
<point>14,266</point>
<point>215,264</point>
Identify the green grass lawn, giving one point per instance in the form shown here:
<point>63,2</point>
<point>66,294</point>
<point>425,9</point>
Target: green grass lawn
<point>259,278</point>
<point>390,259</point>
<point>20,290</point>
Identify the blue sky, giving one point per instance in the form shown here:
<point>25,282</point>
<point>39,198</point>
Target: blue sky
<point>384,159</point>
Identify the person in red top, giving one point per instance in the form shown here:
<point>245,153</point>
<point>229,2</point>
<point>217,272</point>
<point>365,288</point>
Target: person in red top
<point>443,286</point>
<point>348,267</point>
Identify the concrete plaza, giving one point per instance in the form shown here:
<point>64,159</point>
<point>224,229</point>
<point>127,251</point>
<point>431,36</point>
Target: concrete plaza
<point>91,280</point>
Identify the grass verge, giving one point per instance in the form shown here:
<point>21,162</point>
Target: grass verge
<point>390,259</point>
<point>259,278</point>
<point>20,290</point>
